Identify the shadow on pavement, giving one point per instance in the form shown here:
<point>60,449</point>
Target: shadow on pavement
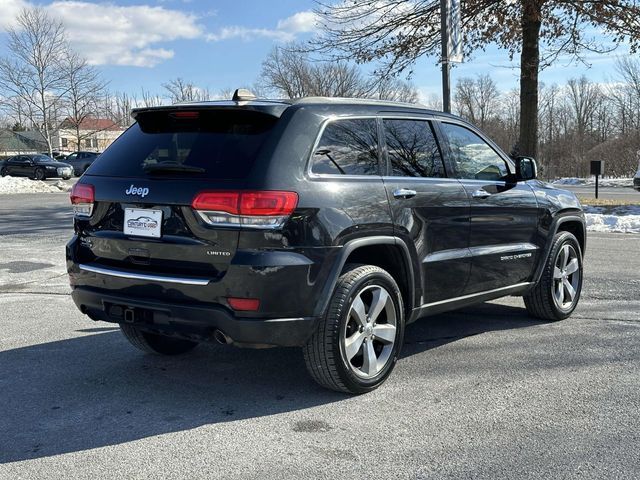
<point>438,330</point>
<point>49,219</point>
<point>97,390</point>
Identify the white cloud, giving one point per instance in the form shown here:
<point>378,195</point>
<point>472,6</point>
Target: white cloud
<point>301,22</point>
<point>248,34</point>
<point>109,34</point>
<point>123,35</point>
<point>10,10</point>
<point>286,29</point>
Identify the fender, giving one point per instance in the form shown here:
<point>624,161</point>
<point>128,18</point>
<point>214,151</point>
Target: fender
<point>557,221</point>
<point>339,264</point>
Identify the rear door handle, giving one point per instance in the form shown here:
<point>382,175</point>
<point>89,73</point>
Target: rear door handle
<point>480,194</point>
<point>404,193</point>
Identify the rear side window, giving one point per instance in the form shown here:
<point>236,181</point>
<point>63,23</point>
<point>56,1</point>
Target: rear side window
<point>348,147</point>
<point>221,144</point>
<point>412,149</point>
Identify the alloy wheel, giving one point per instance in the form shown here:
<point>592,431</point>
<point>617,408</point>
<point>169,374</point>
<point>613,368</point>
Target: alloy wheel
<point>370,331</point>
<point>566,277</point>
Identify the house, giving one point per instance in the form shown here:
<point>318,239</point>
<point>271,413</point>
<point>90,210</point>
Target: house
<point>13,143</point>
<point>94,134</point>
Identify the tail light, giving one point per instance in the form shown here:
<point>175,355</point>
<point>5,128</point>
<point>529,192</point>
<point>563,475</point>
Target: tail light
<point>82,197</point>
<point>261,209</point>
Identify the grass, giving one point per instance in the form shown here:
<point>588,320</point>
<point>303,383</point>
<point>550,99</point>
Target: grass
<point>592,202</point>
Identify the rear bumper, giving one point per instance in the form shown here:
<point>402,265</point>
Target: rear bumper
<point>199,321</point>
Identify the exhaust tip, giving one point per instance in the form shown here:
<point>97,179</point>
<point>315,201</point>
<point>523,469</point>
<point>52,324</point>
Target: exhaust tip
<point>222,338</point>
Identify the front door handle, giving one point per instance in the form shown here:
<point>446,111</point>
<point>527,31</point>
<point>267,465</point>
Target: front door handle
<point>480,194</point>
<point>404,193</point>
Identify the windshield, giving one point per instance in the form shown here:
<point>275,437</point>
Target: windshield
<point>41,159</point>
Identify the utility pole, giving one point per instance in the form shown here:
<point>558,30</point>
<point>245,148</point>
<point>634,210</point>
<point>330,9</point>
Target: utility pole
<point>446,66</point>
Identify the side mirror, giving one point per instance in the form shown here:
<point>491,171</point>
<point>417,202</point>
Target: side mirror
<point>526,169</point>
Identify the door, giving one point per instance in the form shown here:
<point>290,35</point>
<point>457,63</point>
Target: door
<point>504,214</point>
<point>430,210</point>
<point>73,161</point>
<point>11,166</point>
<point>20,166</point>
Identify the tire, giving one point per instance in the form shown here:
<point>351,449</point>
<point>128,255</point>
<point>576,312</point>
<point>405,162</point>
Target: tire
<point>337,354</point>
<point>39,174</point>
<point>3,172</point>
<point>156,344</point>
<point>552,299</point>
<point>66,178</point>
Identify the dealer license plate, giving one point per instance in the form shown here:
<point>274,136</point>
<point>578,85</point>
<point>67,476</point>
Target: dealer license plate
<point>142,222</point>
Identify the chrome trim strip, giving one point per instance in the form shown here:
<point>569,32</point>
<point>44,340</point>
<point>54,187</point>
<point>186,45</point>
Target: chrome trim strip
<point>479,294</point>
<point>458,253</point>
<point>144,276</point>
<point>498,249</point>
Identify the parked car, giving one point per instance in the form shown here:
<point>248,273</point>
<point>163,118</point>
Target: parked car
<point>327,224</point>
<point>80,161</point>
<point>55,155</point>
<point>636,179</point>
<point>38,167</point>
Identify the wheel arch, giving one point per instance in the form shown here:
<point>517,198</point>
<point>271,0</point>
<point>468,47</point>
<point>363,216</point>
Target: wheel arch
<point>387,252</point>
<point>572,223</point>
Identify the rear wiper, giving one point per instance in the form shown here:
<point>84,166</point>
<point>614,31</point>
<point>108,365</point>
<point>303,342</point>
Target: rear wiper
<point>172,167</point>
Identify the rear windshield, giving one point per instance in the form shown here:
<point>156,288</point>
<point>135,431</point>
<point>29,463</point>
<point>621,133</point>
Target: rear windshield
<point>224,144</point>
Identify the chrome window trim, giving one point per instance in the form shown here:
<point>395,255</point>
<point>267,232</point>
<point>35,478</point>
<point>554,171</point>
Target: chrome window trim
<point>334,118</point>
<point>144,276</point>
<point>381,161</point>
<point>498,151</point>
<point>435,137</point>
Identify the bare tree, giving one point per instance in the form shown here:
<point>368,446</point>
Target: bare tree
<point>395,89</point>
<point>32,74</point>
<point>149,99</point>
<point>398,32</point>
<point>85,90</point>
<point>117,107</point>
<point>180,90</point>
<point>477,99</point>
<point>291,73</point>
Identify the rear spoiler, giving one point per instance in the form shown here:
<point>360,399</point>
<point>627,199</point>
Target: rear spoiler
<point>273,108</point>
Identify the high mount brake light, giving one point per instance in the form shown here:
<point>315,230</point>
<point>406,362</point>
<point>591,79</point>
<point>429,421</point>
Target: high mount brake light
<point>82,197</point>
<point>252,209</point>
<point>185,115</point>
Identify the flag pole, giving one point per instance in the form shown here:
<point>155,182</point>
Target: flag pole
<point>446,66</point>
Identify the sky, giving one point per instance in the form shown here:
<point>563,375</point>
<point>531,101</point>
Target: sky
<point>220,44</point>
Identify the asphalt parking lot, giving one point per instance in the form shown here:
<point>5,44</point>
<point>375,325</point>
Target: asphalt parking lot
<point>486,392</point>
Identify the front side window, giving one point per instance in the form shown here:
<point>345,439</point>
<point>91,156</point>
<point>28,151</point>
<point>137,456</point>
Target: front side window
<point>472,156</point>
<point>348,147</point>
<point>412,149</point>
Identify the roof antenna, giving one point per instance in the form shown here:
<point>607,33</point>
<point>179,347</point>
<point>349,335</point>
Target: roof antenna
<point>242,94</point>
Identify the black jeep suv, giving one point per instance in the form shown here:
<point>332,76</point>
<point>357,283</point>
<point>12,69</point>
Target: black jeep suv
<point>323,223</point>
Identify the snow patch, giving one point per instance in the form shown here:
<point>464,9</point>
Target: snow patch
<point>25,185</point>
<point>603,182</point>
<point>611,223</point>
<point>624,219</point>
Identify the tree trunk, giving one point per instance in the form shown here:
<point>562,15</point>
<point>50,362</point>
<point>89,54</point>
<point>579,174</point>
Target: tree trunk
<point>529,65</point>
